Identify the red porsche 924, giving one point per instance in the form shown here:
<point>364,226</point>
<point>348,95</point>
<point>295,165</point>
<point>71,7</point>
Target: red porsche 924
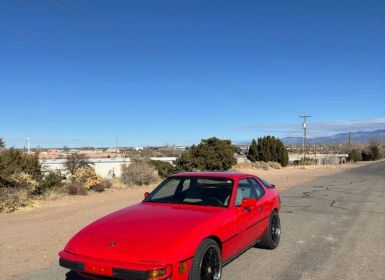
<point>187,228</point>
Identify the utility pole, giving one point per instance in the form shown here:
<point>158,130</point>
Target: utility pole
<point>350,140</point>
<point>116,144</point>
<point>304,135</point>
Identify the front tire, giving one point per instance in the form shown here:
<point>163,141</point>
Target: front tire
<point>273,233</point>
<point>207,263</point>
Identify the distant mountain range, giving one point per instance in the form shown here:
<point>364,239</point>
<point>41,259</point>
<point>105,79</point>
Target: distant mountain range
<point>356,137</point>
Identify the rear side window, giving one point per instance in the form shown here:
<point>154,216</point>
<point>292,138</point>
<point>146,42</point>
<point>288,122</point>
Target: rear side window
<point>258,188</point>
<point>266,183</point>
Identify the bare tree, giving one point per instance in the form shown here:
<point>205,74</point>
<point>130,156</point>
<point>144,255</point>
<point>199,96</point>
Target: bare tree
<point>75,161</point>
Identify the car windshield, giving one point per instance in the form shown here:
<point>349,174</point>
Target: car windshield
<point>193,190</point>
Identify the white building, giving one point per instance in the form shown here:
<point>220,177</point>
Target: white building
<point>104,167</point>
<point>166,159</point>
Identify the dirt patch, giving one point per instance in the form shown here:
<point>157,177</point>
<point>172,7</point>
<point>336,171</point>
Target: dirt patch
<point>32,237</point>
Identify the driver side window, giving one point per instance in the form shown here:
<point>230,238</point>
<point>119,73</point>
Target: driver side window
<point>245,190</point>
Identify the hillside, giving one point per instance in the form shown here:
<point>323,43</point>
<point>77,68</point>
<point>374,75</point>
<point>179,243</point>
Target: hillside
<point>356,137</point>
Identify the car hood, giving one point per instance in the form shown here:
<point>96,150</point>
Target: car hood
<point>145,231</point>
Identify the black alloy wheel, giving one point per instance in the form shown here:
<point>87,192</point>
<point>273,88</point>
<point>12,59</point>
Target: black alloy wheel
<point>272,235</point>
<point>207,263</point>
<point>210,267</point>
<point>275,229</point>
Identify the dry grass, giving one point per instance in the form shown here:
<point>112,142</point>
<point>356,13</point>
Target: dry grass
<point>12,199</point>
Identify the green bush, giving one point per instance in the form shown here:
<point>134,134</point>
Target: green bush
<point>164,169</point>
<point>50,181</point>
<point>252,153</point>
<point>211,154</point>
<point>268,149</point>
<point>139,172</point>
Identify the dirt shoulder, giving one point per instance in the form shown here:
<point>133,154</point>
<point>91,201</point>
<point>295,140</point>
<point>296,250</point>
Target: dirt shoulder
<point>32,237</point>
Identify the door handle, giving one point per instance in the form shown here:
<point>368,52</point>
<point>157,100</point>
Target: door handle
<point>259,208</point>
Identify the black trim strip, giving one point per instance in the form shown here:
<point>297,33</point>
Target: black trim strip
<point>228,239</point>
<point>185,260</point>
<point>257,222</point>
<point>235,235</point>
<point>75,266</point>
<point>130,274</point>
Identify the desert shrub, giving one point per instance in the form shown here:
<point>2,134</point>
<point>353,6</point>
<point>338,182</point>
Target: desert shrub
<point>355,155</point>
<point>374,151</point>
<point>20,188</point>
<point>76,188</point>
<point>274,165</point>
<point>265,165</point>
<point>211,154</point>
<point>241,165</point>
<point>50,181</point>
<point>24,181</point>
<point>13,198</point>
<point>87,176</point>
<point>20,175</point>
<point>14,162</point>
<point>164,169</point>
<point>102,186</point>
<point>139,172</point>
<point>258,165</point>
<point>307,161</point>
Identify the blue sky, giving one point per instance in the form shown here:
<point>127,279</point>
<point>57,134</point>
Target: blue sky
<point>173,72</point>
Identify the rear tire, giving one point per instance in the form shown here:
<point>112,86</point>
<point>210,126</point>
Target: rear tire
<point>271,238</point>
<point>207,263</point>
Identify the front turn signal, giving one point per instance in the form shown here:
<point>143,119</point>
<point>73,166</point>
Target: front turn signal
<point>182,268</point>
<point>157,273</point>
<point>160,273</point>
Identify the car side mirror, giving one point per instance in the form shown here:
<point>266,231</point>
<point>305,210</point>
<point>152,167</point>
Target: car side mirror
<point>248,203</point>
<point>146,194</point>
<point>273,186</point>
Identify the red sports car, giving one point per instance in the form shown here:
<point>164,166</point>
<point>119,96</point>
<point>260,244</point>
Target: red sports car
<point>187,228</point>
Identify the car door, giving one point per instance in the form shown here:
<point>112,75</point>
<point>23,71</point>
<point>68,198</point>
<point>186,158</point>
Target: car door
<point>246,219</point>
<point>263,208</point>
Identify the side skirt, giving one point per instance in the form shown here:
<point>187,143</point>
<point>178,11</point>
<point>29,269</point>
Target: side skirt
<point>240,253</point>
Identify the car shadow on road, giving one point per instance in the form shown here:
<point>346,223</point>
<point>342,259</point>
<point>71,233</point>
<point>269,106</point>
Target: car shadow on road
<point>74,276</point>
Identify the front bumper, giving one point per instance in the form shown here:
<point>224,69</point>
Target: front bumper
<point>117,270</point>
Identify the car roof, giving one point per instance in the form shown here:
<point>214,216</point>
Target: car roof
<point>216,174</point>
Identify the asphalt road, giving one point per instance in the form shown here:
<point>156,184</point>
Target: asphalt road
<point>332,228</point>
